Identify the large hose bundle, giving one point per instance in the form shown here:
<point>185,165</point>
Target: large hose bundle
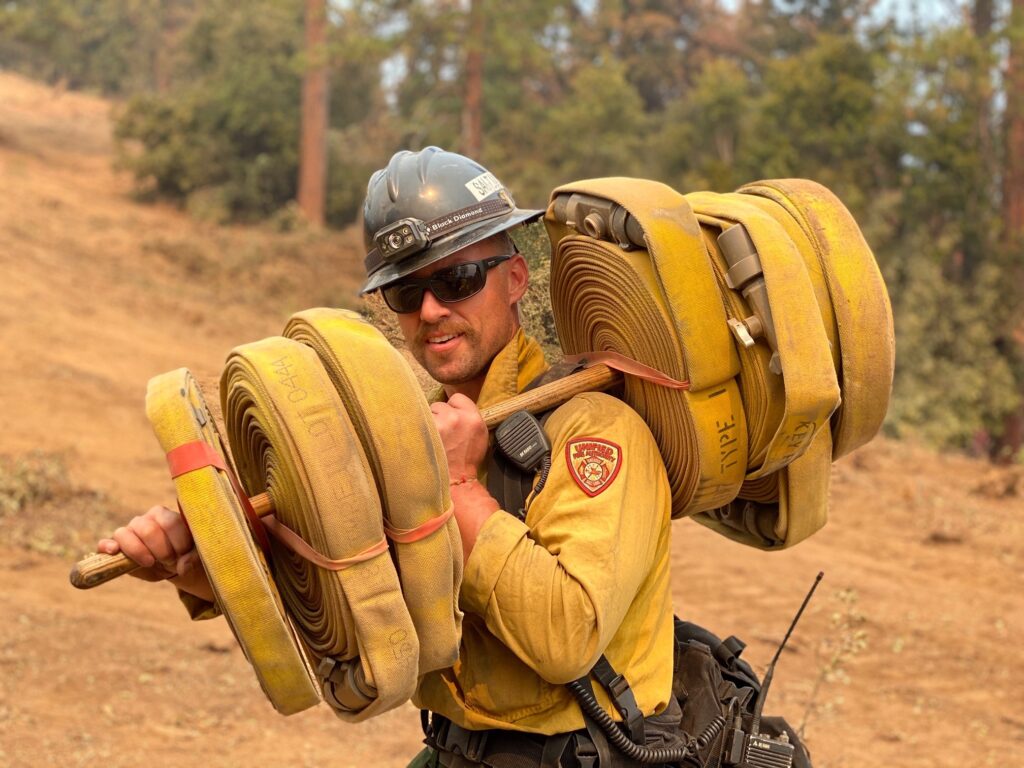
<point>368,617</point>
<point>767,302</point>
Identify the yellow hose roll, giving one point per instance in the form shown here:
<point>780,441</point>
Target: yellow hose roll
<point>767,301</point>
<point>859,300</point>
<point>292,437</point>
<point>662,307</point>
<point>810,387</point>
<point>237,570</point>
<point>396,430</point>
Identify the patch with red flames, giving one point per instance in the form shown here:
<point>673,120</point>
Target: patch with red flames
<point>593,463</point>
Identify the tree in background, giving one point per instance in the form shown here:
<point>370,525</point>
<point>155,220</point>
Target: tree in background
<point>109,45</point>
<point>313,149</point>
<point>1011,438</point>
<point>225,136</point>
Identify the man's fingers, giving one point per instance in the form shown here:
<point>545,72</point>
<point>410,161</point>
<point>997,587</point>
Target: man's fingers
<point>460,402</point>
<point>187,562</point>
<point>175,528</point>
<point>133,547</point>
<point>108,547</point>
<point>154,538</point>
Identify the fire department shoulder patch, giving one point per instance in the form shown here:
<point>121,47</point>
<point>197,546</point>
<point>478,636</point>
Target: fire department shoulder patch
<point>593,463</point>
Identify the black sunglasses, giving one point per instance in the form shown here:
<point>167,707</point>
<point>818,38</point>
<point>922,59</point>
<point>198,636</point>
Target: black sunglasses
<point>448,285</point>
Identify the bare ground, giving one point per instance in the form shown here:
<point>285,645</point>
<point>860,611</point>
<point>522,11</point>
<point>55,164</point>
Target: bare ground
<point>909,656</point>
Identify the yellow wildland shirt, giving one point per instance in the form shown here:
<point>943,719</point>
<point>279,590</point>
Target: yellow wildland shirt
<point>587,572</point>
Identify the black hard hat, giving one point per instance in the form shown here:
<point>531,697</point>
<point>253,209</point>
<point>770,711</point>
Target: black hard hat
<point>426,205</point>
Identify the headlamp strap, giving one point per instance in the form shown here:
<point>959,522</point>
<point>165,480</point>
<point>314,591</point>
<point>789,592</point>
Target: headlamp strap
<point>442,225</point>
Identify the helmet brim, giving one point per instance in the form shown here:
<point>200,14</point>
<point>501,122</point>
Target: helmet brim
<point>446,246</point>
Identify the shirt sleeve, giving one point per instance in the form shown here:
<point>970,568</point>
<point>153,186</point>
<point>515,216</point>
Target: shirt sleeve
<point>198,608</point>
<point>556,588</point>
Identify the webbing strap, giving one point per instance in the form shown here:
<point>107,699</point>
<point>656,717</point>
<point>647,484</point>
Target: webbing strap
<point>198,454</point>
<point>619,362</point>
<point>622,695</point>
<point>192,456</point>
<point>300,547</point>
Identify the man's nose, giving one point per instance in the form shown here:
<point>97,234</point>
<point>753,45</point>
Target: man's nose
<point>433,310</point>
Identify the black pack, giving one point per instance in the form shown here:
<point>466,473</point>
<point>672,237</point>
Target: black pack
<point>709,679</point>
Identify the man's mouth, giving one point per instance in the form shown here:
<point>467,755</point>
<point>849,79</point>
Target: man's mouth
<point>441,339</point>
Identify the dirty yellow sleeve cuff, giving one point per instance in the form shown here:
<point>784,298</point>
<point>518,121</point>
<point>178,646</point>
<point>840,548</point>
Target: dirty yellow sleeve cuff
<point>198,608</point>
<point>500,534</point>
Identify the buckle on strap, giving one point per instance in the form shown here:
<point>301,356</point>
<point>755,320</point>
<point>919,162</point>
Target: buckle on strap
<point>622,696</point>
<point>462,742</point>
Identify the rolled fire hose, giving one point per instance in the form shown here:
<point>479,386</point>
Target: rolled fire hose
<point>752,321</point>
<point>291,434</point>
<point>395,429</point>
<point>234,561</point>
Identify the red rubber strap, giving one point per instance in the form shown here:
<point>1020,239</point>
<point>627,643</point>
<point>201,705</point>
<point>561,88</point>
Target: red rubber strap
<point>628,365</point>
<point>409,535</point>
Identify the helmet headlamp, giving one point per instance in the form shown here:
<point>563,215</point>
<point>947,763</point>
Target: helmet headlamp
<point>401,239</point>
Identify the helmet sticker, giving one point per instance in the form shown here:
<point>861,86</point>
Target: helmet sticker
<point>483,185</point>
<point>593,463</point>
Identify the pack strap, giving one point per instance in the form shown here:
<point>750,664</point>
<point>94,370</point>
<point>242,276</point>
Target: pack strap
<point>622,696</point>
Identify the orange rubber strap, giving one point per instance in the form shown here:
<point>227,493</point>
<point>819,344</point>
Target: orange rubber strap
<point>199,454</point>
<point>628,365</point>
<point>409,535</point>
<point>300,547</point>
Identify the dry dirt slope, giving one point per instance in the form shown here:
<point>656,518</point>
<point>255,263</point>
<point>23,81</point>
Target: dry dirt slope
<point>910,656</point>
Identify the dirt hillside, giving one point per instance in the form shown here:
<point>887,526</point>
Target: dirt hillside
<point>909,656</point>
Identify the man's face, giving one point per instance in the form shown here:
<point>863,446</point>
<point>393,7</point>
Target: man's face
<point>456,342</point>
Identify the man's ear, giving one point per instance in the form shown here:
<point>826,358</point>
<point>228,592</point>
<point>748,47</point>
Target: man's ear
<point>518,278</point>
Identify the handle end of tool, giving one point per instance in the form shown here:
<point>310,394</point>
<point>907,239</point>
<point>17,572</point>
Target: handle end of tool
<point>98,568</point>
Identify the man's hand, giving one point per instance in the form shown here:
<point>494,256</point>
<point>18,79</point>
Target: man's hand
<point>464,436</point>
<point>161,543</point>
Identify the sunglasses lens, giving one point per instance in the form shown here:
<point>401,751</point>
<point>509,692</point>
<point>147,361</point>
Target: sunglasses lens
<point>402,297</point>
<point>448,285</point>
<point>457,283</point>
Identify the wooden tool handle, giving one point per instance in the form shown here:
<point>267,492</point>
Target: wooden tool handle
<point>96,569</point>
<point>99,568</point>
<point>594,379</point>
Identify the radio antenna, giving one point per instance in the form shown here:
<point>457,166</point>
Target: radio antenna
<point>754,730</point>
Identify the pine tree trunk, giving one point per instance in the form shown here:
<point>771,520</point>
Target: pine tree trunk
<point>313,144</point>
<point>472,106</point>
<point>1010,442</point>
<point>981,17</point>
<point>1013,171</point>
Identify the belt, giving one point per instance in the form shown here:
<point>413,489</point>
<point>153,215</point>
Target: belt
<point>496,748</point>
